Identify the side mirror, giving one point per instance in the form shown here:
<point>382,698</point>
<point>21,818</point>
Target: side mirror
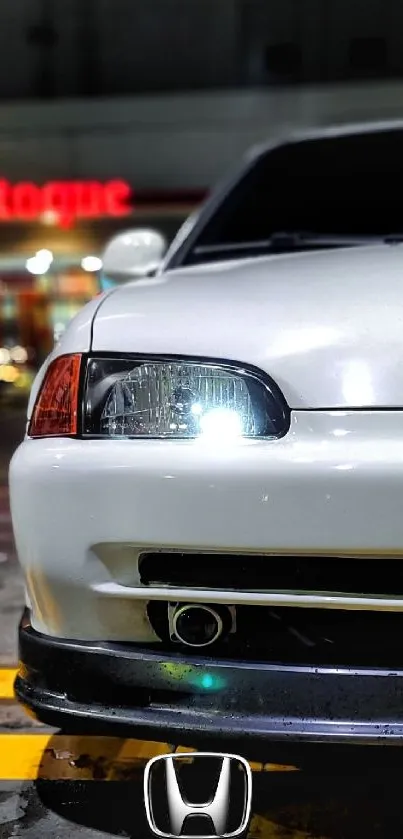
<point>132,254</point>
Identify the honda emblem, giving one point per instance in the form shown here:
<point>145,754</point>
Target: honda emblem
<point>212,790</point>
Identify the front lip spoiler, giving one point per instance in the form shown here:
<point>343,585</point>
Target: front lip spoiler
<point>134,691</point>
<point>187,726</point>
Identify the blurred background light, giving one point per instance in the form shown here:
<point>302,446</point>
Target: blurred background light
<point>91,263</point>
<point>19,355</point>
<point>4,355</point>
<point>40,263</point>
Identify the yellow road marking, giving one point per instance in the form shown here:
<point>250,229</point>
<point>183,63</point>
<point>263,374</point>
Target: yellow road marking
<point>63,757</point>
<point>255,767</point>
<point>7,677</point>
<point>55,757</point>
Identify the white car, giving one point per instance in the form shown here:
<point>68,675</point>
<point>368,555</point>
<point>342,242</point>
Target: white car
<point>208,502</point>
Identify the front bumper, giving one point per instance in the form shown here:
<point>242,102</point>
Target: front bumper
<point>138,692</point>
<point>84,510</point>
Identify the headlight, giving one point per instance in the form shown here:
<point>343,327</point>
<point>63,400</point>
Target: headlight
<point>179,399</point>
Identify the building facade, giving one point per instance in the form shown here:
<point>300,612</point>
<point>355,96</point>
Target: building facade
<point>124,47</point>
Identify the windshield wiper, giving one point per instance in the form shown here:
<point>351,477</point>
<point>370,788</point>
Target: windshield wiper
<point>293,240</point>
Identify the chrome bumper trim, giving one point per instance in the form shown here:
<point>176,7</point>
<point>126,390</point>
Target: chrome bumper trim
<point>307,600</point>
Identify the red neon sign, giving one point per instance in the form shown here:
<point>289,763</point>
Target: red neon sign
<point>64,202</point>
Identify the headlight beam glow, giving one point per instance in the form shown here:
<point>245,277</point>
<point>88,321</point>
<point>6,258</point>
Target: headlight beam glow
<point>179,400</point>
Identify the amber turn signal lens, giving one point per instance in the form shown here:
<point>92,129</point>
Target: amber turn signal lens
<point>55,412</point>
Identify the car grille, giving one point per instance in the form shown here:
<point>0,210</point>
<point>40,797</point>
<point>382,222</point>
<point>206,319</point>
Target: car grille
<point>288,635</point>
<point>382,576</point>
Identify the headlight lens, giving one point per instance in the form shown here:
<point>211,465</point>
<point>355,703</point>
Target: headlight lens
<point>174,399</point>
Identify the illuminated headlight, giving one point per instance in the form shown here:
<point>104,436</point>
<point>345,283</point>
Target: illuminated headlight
<point>179,399</point>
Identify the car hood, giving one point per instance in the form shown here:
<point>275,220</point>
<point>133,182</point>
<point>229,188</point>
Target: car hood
<point>326,326</point>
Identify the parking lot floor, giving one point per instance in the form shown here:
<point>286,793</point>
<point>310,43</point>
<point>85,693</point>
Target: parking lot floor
<point>55,785</point>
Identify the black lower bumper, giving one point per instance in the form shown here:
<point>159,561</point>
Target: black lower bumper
<point>142,693</point>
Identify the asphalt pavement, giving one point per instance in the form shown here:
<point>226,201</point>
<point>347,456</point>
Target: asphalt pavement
<point>54,785</point>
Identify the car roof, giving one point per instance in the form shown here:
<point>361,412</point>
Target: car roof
<point>290,137</point>
<point>328,132</point>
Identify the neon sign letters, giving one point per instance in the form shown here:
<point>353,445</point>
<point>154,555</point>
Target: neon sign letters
<point>64,202</point>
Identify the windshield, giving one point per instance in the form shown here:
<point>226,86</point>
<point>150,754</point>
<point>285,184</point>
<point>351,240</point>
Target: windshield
<point>330,192</point>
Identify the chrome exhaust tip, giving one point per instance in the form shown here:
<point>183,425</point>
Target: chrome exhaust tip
<point>199,625</point>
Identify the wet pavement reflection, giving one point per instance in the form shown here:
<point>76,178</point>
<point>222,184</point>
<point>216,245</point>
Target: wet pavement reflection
<point>324,803</point>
